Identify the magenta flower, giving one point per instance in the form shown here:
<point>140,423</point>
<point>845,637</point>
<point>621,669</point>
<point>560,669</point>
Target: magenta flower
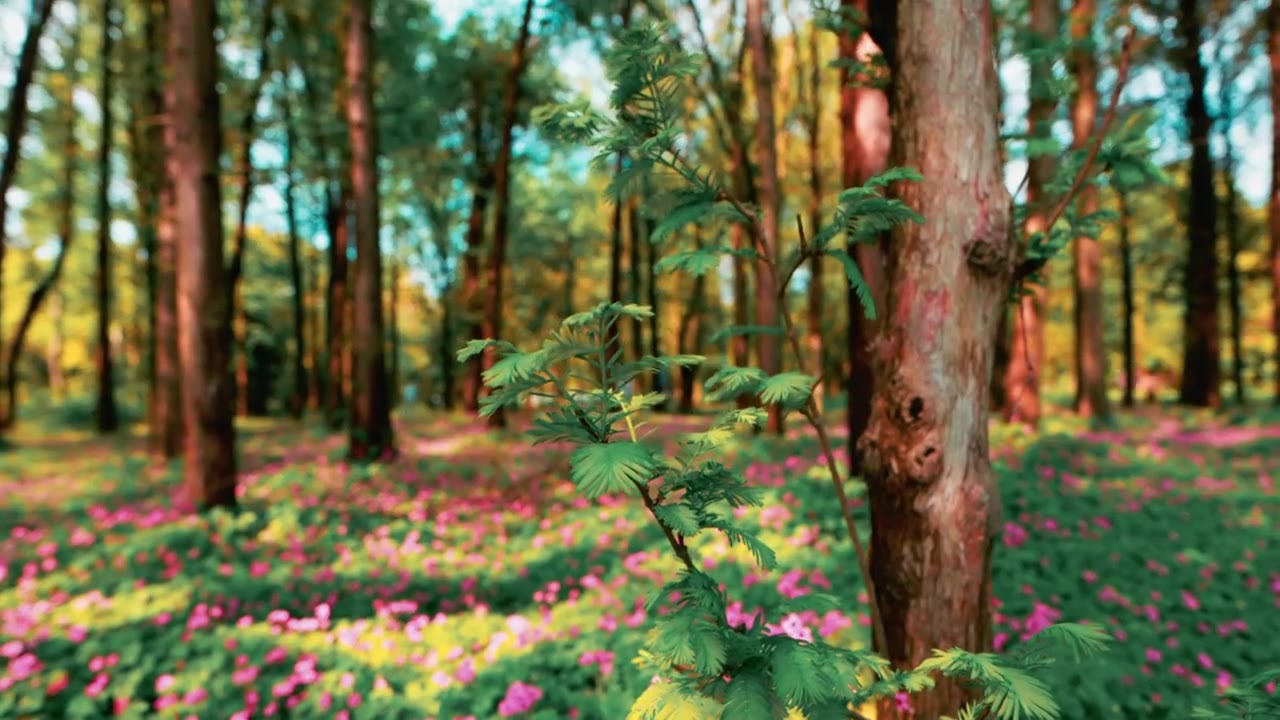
<point>520,698</point>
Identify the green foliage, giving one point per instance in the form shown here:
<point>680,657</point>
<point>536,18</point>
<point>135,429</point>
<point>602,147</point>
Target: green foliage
<point>705,666</point>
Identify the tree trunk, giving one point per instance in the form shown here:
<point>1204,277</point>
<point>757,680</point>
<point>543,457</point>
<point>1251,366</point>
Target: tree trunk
<point>1026,351</point>
<point>660,379</point>
<point>65,236</point>
<point>1127,298</point>
<point>769,348</point>
<point>865,142</point>
<point>471,299</point>
<point>204,343</point>
<point>16,128</point>
<point>371,437</point>
<point>635,287</point>
<point>1201,371</point>
<point>336,306</point>
<point>934,501</point>
<point>1273,55</point>
<point>448,335</point>
<point>615,234</point>
<point>166,425</point>
<point>106,416</point>
<point>813,117</point>
<point>690,335</point>
<point>299,398</point>
<point>1090,332</point>
<point>393,328</point>
<point>502,197</point>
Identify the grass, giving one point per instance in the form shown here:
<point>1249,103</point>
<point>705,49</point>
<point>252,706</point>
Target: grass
<point>466,579</point>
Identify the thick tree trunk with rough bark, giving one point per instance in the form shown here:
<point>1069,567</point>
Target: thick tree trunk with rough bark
<point>106,416</point>
<point>1025,369</point>
<point>934,501</point>
<point>1273,55</point>
<point>371,437</point>
<point>865,141</point>
<point>1201,368</point>
<point>204,335</point>
<point>1090,331</point>
<point>338,291</point>
<point>769,347</point>
<point>1235,314</point>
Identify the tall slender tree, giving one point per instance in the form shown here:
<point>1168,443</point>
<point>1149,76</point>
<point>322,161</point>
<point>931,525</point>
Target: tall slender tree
<point>1273,55</point>
<point>194,141</point>
<point>1127,298</point>
<point>67,116</point>
<point>245,182</point>
<point>106,416</point>
<point>925,452</point>
<point>302,387</point>
<point>502,193</point>
<point>865,140</point>
<point>1201,368</point>
<point>16,125</point>
<point>371,436</point>
<point>1025,369</point>
<point>1090,332</point>
<point>766,281</point>
<point>1231,228</point>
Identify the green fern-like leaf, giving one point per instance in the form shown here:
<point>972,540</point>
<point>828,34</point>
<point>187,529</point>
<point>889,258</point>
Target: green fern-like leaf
<point>857,282</point>
<point>611,467</point>
<point>748,697</point>
<point>790,389</point>
<point>798,674</point>
<point>733,381</point>
<point>680,518</point>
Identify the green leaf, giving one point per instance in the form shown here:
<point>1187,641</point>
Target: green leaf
<point>733,331</point>
<point>790,389</point>
<point>694,262</point>
<point>892,175</point>
<point>611,467</point>
<point>733,381</point>
<point>797,672</point>
<point>679,517</point>
<point>857,282</point>
<point>747,696</point>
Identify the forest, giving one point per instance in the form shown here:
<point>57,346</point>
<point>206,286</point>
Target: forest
<point>643,359</point>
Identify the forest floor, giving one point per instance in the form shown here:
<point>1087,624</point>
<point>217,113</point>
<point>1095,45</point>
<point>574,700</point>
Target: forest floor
<point>429,587</point>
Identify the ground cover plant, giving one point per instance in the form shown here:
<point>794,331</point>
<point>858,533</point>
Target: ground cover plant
<point>447,585</point>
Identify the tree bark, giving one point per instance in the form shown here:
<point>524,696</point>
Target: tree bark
<point>690,335</point>
<point>16,126</point>
<point>1201,369</point>
<point>299,398</point>
<point>813,120</point>
<point>1025,369</point>
<point>336,304</point>
<point>1127,298</point>
<point>1273,218</point>
<point>244,175</point>
<point>769,348</point>
<point>635,286</point>
<point>66,236</point>
<point>933,495</point>
<point>471,299</point>
<point>658,380</point>
<point>371,437</point>
<point>1090,332</point>
<point>865,142</point>
<point>393,328</point>
<point>106,416</point>
<point>502,197</point>
<point>204,342</point>
<point>167,431</point>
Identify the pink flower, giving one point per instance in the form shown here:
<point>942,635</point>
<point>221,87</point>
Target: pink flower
<point>520,698</point>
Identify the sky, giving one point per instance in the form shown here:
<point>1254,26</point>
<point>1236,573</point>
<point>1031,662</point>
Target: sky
<point>584,72</point>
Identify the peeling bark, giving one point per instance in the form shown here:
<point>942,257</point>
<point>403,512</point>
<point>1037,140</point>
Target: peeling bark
<point>933,495</point>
